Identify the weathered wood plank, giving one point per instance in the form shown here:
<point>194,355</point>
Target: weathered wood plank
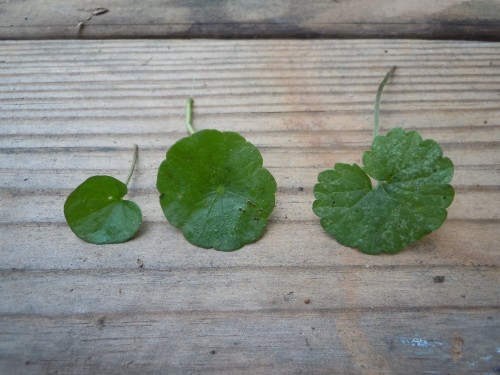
<point>70,109</point>
<point>22,180</point>
<point>450,19</point>
<point>458,242</point>
<point>238,289</point>
<point>319,342</point>
<point>464,156</point>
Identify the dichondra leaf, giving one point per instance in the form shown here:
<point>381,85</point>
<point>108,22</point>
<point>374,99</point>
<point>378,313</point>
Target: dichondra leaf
<point>96,212</point>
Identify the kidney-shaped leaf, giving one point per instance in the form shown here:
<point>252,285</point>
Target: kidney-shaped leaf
<point>96,212</point>
<point>214,188</point>
<point>409,202</point>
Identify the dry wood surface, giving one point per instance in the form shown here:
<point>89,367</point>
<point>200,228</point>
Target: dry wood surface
<point>295,302</point>
<point>443,19</point>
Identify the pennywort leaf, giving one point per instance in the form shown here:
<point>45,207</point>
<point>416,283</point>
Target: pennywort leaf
<point>214,188</point>
<point>97,213</point>
<point>409,201</point>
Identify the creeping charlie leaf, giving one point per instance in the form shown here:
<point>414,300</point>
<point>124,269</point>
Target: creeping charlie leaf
<point>408,203</point>
<point>214,188</point>
<point>96,212</point>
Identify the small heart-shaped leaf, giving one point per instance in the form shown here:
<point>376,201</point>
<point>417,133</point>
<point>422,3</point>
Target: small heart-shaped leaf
<point>96,212</point>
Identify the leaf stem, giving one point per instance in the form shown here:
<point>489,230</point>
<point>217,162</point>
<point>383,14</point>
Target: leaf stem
<point>376,113</point>
<point>134,162</point>
<point>189,116</point>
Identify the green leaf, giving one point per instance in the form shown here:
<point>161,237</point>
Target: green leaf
<point>214,188</point>
<point>96,212</point>
<point>409,202</point>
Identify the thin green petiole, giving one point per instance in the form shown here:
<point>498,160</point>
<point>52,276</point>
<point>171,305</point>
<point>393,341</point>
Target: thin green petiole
<point>376,113</point>
<point>189,116</point>
<point>134,162</point>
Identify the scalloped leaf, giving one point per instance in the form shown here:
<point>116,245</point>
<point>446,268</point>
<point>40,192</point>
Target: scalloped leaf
<point>214,188</point>
<point>408,203</point>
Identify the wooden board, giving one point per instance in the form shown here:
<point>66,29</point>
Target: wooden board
<point>444,19</point>
<point>295,302</point>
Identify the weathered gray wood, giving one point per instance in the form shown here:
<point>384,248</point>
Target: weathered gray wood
<point>67,179</point>
<point>228,289</point>
<point>445,19</point>
<point>456,243</point>
<point>156,304</point>
<point>262,343</point>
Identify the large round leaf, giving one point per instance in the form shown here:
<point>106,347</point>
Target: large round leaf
<point>214,188</point>
<point>409,202</point>
<point>96,212</point>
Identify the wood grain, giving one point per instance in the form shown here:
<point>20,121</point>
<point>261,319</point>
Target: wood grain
<point>260,343</point>
<point>294,302</point>
<point>445,19</point>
